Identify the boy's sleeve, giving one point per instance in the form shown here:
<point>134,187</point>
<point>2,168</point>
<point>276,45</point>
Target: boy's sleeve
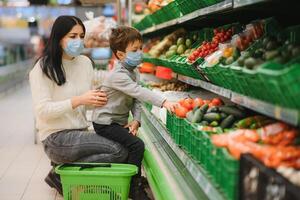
<point>122,82</point>
<point>136,110</point>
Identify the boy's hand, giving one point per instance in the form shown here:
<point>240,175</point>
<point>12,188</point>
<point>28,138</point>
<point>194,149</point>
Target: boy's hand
<point>170,106</point>
<point>133,127</point>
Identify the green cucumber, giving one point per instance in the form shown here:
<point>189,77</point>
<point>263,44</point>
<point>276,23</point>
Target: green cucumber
<point>230,110</point>
<point>198,115</point>
<point>227,122</point>
<point>223,115</point>
<point>204,123</point>
<point>210,117</point>
<point>189,116</point>
<point>213,109</point>
<point>204,108</point>
<point>196,108</point>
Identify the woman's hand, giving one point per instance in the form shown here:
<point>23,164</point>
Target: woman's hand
<point>91,98</point>
<point>170,106</point>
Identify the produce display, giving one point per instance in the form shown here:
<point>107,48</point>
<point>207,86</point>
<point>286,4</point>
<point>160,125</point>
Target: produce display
<point>271,49</point>
<point>154,5</point>
<point>207,48</point>
<point>273,144</point>
<point>160,48</point>
<point>209,112</point>
<point>182,47</point>
<point>169,86</point>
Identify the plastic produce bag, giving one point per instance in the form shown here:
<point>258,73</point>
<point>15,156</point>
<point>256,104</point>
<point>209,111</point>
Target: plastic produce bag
<point>98,30</point>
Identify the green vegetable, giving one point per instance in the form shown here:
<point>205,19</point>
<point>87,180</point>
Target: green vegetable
<point>212,117</point>
<point>229,60</point>
<point>271,54</point>
<point>241,61</point>
<point>180,41</point>
<point>196,108</point>
<point>198,115</point>
<point>214,123</point>
<point>188,43</point>
<point>213,109</point>
<point>181,48</point>
<point>204,123</point>
<point>227,122</point>
<point>173,47</point>
<point>189,116</point>
<point>231,110</point>
<point>204,108</point>
<point>258,53</point>
<point>223,115</point>
<point>170,53</point>
<point>250,63</point>
<point>195,37</point>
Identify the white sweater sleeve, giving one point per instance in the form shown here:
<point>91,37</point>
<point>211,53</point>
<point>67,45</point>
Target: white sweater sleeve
<point>44,106</point>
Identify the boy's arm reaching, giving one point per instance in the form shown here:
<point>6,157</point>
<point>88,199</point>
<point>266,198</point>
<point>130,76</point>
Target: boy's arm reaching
<point>124,83</point>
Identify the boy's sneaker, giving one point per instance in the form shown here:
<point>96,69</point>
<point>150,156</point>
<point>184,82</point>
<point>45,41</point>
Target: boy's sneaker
<point>137,191</point>
<point>53,180</point>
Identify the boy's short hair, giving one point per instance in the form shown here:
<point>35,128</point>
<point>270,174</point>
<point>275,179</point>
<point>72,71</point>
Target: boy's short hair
<point>122,36</point>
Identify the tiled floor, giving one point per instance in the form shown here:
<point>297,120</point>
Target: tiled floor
<point>23,165</point>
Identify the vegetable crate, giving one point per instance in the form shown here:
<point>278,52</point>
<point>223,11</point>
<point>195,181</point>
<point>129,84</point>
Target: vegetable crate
<point>93,181</point>
<point>171,11</point>
<point>220,166</point>
<point>260,182</point>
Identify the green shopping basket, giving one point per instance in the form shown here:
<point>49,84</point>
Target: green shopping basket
<point>96,181</point>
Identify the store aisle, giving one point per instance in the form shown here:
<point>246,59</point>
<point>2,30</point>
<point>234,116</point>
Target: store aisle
<point>23,164</point>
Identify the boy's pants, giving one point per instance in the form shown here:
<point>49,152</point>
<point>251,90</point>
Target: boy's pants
<point>118,133</point>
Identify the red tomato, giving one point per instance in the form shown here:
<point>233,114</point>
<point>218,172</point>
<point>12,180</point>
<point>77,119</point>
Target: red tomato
<point>197,102</point>
<point>181,101</point>
<point>181,111</point>
<point>196,53</point>
<point>188,103</point>
<point>206,101</point>
<point>192,57</point>
<point>217,101</point>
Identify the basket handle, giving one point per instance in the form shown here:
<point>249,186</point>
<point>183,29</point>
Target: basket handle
<point>86,166</point>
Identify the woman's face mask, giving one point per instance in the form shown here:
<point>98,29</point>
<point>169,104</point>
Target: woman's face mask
<point>74,47</point>
<point>72,43</point>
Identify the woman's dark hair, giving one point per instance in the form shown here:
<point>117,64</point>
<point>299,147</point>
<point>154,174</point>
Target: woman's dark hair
<point>51,59</point>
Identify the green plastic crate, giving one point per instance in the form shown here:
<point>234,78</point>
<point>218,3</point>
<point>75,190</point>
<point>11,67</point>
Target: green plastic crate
<point>187,136</point>
<point>172,11</point>
<point>93,181</point>
<point>178,130</point>
<point>230,174</point>
<point>170,123</point>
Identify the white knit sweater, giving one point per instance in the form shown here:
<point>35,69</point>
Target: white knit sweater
<point>52,103</point>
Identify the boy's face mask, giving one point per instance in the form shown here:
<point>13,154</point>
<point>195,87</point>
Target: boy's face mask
<point>133,59</point>
<point>74,47</point>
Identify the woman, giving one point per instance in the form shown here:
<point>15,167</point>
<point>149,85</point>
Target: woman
<point>61,83</point>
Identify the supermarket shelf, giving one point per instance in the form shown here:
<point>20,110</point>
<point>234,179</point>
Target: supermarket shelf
<point>14,74</point>
<point>290,116</point>
<point>224,5</point>
<point>189,165</point>
<point>242,3</point>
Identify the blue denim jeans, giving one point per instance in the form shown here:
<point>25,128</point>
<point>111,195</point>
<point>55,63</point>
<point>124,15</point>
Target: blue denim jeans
<point>83,146</point>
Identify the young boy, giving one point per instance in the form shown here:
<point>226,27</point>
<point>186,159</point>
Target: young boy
<point>125,95</point>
